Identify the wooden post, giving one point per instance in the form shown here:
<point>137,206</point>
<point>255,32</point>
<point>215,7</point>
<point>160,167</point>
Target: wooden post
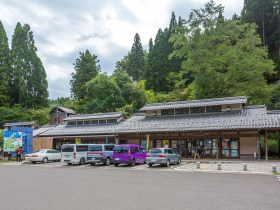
<point>265,141</point>
<point>279,148</point>
<point>259,146</point>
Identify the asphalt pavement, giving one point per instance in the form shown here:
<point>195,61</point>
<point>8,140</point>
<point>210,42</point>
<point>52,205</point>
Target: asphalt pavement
<point>30,187</point>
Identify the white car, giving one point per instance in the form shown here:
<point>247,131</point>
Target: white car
<point>44,156</point>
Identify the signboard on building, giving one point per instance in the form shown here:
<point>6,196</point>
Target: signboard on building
<point>12,141</point>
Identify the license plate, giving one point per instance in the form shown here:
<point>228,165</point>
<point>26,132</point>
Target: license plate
<point>67,156</point>
<point>28,158</point>
<point>117,158</point>
<point>93,158</point>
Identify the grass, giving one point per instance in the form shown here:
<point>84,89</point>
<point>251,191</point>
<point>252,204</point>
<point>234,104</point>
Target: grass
<point>4,161</point>
<point>276,173</point>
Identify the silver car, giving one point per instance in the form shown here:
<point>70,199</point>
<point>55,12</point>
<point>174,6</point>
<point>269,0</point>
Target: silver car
<point>163,156</point>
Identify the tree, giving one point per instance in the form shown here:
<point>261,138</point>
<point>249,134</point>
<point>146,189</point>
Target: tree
<point>102,95</point>
<point>225,57</point>
<point>136,62</point>
<point>4,67</point>
<point>159,62</point>
<point>274,101</point>
<point>86,68</point>
<point>29,84</point>
<point>266,14</point>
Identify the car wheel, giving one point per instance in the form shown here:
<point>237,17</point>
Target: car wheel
<point>108,162</point>
<point>69,164</point>
<point>116,164</point>
<point>45,160</point>
<point>132,163</point>
<point>82,161</point>
<point>167,163</point>
<point>179,161</point>
<point>93,164</point>
<point>33,162</point>
<point>150,165</point>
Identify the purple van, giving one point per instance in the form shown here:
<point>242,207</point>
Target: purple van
<point>128,153</point>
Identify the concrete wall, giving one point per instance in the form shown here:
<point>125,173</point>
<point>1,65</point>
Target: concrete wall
<point>248,145</point>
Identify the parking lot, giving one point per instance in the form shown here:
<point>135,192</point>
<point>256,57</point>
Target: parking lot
<point>56,186</point>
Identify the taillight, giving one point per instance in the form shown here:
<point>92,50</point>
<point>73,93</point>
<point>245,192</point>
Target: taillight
<point>26,155</point>
<point>147,155</point>
<point>74,155</point>
<point>161,156</point>
<point>35,155</point>
<point>129,153</point>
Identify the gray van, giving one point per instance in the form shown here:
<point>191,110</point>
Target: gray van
<point>163,156</point>
<point>100,153</point>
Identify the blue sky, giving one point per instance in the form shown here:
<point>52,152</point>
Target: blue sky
<point>63,28</point>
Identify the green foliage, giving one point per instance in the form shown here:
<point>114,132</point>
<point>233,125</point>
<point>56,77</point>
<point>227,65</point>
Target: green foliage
<point>28,82</point>
<point>102,95</point>
<point>86,68</point>
<point>226,57</point>
<point>4,67</point>
<point>1,138</point>
<point>274,101</point>
<point>136,63</point>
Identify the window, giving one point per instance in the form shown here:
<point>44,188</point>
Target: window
<point>94,122</point>
<point>95,148</point>
<point>112,121</point>
<point>182,111</point>
<point>120,149</point>
<point>154,151</point>
<point>82,148</point>
<point>67,148</point>
<point>80,122</point>
<point>71,123</point>
<point>109,147</point>
<point>174,151</point>
<point>102,121</point>
<point>197,109</point>
<point>167,112</point>
<point>169,151</point>
<point>213,109</point>
<point>132,150</point>
<point>136,149</point>
<point>49,151</point>
<point>87,122</point>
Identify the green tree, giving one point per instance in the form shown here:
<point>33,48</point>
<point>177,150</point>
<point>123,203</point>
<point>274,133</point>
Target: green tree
<point>266,14</point>
<point>102,95</point>
<point>29,84</point>
<point>136,62</point>
<point>1,138</point>
<point>5,67</point>
<point>86,68</point>
<point>225,57</point>
<point>274,101</point>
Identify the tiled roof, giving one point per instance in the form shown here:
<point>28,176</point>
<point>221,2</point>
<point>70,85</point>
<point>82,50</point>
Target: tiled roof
<point>196,103</point>
<point>41,130</point>
<point>251,117</point>
<point>32,123</point>
<point>66,130</point>
<point>66,110</point>
<point>94,116</point>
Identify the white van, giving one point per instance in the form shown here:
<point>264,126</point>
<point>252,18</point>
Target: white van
<point>74,153</point>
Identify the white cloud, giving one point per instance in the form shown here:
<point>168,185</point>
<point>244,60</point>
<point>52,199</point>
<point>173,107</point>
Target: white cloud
<point>106,27</point>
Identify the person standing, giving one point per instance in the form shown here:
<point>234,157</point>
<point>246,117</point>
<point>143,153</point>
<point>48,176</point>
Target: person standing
<point>19,153</point>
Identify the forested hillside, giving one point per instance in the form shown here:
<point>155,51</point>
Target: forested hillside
<point>201,55</point>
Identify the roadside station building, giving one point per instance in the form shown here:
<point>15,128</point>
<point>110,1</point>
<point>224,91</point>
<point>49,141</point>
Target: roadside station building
<point>214,128</point>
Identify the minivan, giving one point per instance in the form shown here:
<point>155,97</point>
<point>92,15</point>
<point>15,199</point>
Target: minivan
<point>74,153</point>
<point>128,153</point>
<point>100,153</point>
<point>163,156</point>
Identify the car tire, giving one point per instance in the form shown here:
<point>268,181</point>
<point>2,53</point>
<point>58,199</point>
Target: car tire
<point>150,165</point>
<point>34,162</point>
<point>167,163</point>
<point>116,164</point>
<point>82,161</point>
<point>179,161</point>
<point>93,164</point>
<point>69,164</point>
<point>132,162</point>
<point>45,160</point>
<point>108,161</point>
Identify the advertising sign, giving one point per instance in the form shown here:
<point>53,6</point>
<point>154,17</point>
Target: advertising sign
<point>12,141</point>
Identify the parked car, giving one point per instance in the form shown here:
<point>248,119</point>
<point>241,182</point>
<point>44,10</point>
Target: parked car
<point>100,153</point>
<point>128,153</point>
<point>44,156</point>
<point>163,156</point>
<point>74,153</point>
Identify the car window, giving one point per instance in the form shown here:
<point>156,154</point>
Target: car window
<point>82,148</point>
<point>120,149</point>
<point>136,149</point>
<point>95,148</point>
<point>67,148</point>
<point>169,151</point>
<point>49,151</point>
<point>109,147</point>
<point>174,151</point>
<point>165,151</point>
<point>154,151</point>
<point>132,150</point>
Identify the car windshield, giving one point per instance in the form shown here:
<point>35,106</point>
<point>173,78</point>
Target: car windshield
<point>67,148</point>
<point>41,151</point>
<point>120,149</point>
<point>155,151</point>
